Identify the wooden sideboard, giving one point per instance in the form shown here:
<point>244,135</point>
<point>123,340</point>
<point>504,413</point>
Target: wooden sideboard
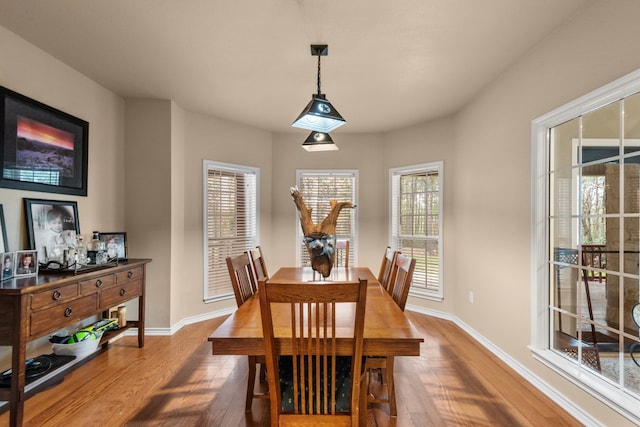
<point>32,307</point>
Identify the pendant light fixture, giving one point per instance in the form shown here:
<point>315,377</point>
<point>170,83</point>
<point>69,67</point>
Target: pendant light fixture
<point>319,141</point>
<point>319,115</point>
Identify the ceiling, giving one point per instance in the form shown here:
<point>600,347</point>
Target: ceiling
<point>391,64</point>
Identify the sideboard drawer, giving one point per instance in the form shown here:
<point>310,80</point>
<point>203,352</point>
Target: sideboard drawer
<point>118,294</point>
<point>54,296</point>
<point>131,274</point>
<point>64,313</point>
<point>94,285</point>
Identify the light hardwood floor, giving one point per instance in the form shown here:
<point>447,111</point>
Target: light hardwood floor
<point>176,381</point>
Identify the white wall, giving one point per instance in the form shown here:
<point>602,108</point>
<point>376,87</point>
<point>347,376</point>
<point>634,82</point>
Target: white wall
<point>491,206</point>
<point>363,152</point>
<point>485,148</point>
<point>209,138</point>
<point>148,197</point>
<point>426,143</point>
<point>27,70</point>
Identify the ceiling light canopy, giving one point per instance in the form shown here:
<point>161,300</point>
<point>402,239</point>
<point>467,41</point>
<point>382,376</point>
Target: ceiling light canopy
<point>319,141</point>
<point>319,115</point>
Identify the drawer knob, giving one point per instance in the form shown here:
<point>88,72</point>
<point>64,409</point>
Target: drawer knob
<point>98,283</point>
<point>122,292</point>
<point>130,274</point>
<point>67,312</point>
<point>56,295</point>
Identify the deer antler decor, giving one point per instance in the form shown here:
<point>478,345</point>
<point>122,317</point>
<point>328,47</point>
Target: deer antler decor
<point>320,240</point>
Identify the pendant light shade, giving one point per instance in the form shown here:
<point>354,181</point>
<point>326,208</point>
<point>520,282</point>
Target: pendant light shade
<point>319,141</point>
<point>319,115</point>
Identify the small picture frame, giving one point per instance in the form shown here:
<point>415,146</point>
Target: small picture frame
<point>8,265</point>
<point>3,233</point>
<point>52,227</point>
<point>116,244</point>
<point>26,263</point>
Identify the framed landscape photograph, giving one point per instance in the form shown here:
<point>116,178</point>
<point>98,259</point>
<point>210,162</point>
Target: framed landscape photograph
<point>116,244</point>
<point>26,263</point>
<point>3,231</point>
<point>42,148</point>
<point>52,227</point>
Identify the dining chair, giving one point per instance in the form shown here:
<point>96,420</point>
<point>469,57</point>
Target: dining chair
<point>310,383</point>
<point>386,267</point>
<point>242,277</point>
<point>342,253</point>
<point>401,276</point>
<point>258,262</point>
<point>244,286</point>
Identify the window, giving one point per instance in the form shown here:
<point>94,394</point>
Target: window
<point>318,188</point>
<point>416,224</point>
<point>586,234</point>
<point>231,222</point>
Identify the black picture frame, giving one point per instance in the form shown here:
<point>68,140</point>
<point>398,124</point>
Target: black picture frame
<point>119,240</point>
<point>42,148</point>
<point>4,245</point>
<point>39,212</point>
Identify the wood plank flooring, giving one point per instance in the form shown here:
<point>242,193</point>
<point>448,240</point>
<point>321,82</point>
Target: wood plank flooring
<point>176,381</point>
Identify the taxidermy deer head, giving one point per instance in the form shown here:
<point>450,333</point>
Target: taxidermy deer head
<point>320,240</point>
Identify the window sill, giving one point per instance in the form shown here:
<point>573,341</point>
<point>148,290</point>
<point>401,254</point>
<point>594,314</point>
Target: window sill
<point>426,295</point>
<point>597,386</point>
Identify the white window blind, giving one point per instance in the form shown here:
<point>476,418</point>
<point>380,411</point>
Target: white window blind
<point>416,224</point>
<point>231,222</point>
<point>318,188</point>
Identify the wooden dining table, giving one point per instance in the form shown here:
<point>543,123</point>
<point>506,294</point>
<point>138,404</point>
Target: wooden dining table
<point>387,330</point>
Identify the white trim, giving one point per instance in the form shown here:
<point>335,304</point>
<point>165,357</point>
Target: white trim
<point>539,196</point>
<point>588,382</point>
<point>229,167</point>
<point>159,332</point>
<point>355,173</point>
<point>614,91</point>
<point>406,170</point>
<point>597,386</point>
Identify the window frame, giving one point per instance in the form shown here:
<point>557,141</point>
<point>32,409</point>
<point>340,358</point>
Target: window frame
<point>541,327</point>
<point>394,226</point>
<point>252,238</point>
<point>353,240</point>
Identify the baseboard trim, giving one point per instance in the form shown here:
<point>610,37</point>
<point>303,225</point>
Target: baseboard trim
<point>187,321</point>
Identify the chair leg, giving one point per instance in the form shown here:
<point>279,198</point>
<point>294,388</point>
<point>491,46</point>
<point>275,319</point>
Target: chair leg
<point>251,382</point>
<point>363,409</point>
<point>263,373</point>
<point>393,411</point>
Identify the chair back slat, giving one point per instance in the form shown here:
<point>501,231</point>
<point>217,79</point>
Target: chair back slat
<point>258,262</point>
<point>342,253</point>
<point>316,353</point>
<point>401,279</point>
<point>242,277</point>
<point>386,267</point>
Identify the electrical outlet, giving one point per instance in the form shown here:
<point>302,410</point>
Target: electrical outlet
<point>471,297</point>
